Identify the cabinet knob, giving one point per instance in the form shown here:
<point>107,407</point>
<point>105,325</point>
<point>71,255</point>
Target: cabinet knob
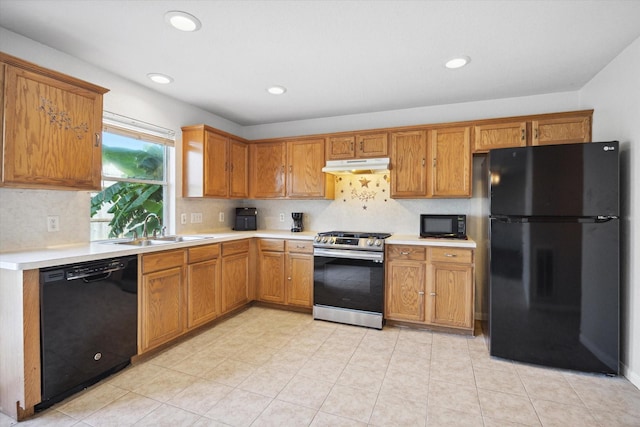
<point>420,293</point>
<point>288,278</point>
<point>433,294</point>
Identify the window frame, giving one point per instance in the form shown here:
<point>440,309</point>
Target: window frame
<point>134,129</point>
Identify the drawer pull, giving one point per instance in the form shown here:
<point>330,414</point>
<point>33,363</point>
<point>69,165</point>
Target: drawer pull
<point>420,293</point>
<point>450,255</point>
<point>404,253</point>
<point>433,294</point>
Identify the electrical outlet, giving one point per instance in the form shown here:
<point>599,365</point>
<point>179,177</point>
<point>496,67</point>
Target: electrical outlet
<point>221,217</point>
<point>281,217</point>
<point>53,223</point>
<point>196,218</point>
<point>183,218</point>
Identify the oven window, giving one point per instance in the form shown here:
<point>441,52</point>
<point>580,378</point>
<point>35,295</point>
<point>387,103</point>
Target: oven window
<point>348,283</point>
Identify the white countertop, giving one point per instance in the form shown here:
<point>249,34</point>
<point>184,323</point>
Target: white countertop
<point>412,239</point>
<point>71,254</point>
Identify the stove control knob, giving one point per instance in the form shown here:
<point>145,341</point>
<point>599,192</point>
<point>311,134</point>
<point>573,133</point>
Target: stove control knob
<point>324,239</point>
<point>317,239</point>
<point>332,240</point>
<point>370,242</point>
<point>378,242</point>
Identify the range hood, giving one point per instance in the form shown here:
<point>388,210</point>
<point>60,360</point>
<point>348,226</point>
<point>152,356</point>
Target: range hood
<point>356,166</point>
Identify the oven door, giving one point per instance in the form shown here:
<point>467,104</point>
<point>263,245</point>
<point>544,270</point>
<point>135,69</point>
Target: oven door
<point>349,279</point>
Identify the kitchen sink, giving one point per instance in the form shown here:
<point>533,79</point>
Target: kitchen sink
<point>160,240</point>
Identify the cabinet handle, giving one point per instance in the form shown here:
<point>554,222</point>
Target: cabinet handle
<point>420,293</point>
<point>351,145</point>
<point>424,162</point>
<point>97,140</point>
<point>361,145</point>
<point>405,253</point>
<point>290,168</point>
<point>433,294</point>
<point>434,163</point>
<point>535,134</point>
<point>300,246</point>
<point>450,255</point>
<point>524,134</point>
<point>289,278</point>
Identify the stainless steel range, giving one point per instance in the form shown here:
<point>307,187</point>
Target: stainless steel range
<point>348,284</point>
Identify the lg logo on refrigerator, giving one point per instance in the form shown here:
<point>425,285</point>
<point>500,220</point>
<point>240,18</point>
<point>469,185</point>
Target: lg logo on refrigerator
<point>608,148</point>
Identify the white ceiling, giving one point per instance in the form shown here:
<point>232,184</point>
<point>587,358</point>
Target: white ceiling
<point>336,57</point>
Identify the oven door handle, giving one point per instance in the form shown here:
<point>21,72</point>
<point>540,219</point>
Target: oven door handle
<point>350,254</point>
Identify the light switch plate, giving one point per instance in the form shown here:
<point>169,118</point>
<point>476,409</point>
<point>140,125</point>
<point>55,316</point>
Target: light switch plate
<point>221,217</point>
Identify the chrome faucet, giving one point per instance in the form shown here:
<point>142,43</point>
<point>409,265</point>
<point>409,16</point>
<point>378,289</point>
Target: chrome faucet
<point>145,233</point>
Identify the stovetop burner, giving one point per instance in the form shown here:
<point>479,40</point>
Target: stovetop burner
<point>355,234</point>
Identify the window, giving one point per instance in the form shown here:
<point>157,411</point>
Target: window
<point>134,178</point>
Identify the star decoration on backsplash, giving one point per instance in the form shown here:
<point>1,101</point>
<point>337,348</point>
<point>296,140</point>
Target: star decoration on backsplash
<point>364,188</point>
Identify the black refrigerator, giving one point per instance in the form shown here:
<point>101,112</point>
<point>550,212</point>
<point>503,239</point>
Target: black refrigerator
<point>554,256</point>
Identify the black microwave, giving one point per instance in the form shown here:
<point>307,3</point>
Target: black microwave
<point>443,226</point>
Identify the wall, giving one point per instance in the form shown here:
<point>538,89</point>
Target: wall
<point>615,96</point>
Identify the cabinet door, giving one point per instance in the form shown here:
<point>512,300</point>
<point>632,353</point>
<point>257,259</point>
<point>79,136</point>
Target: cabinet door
<point>500,135</point>
<point>238,169</point>
<point>451,295</point>
<point>268,162</point>
<point>306,160</point>
<point>271,285</point>
<point>408,164</point>
<point>405,285</point>
<point>372,145</point>
<point>216,177</point>
<point>235,281</point>
<point>201,294</point>
<point>52,133</point>
<point>567,130</point>
<point>450,154</point>
<point>340,147</point>
<point>162,307</point>
<point>300,280</point>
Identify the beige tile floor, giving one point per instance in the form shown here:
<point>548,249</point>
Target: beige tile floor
<point>268,367</point>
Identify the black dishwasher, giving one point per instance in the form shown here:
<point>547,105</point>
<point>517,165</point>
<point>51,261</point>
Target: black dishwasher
<point>88,324</point>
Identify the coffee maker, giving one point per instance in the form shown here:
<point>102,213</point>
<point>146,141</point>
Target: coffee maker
<point>296,226</point>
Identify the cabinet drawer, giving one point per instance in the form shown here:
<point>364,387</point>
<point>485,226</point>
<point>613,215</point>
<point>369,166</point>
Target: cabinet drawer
<point>273,245</point>
<point>452,255</point>
<point>202,253</point>
<point>300,246</point>
<point>237,247</point>
<point>414,253</point>
<point>162,260</point>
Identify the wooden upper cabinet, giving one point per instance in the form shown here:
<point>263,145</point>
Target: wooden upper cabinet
<point>291,169</point>
<point>500,135</point>
<point>409,164</point>
<point>305,163</point>
<point>562,130</point>
<point>450,154</point>
<point>268,162</point>
<point>213,164</point>
<point>238,169</point>
<point>365,145</point>
<point>52,128</point>
<point>216,169</point>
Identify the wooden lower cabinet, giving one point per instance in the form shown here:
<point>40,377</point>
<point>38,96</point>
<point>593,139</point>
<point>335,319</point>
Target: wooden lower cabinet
<point>430,286</point>
<point>162,313</point>
<point>203,290</point>
<point>235,274</point>
<point>286,272</point>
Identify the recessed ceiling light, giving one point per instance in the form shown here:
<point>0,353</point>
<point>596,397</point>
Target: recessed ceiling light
<point>457,62</point>
<point>182,21</point>
<point>277,90</point>
<point>163,79</point>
